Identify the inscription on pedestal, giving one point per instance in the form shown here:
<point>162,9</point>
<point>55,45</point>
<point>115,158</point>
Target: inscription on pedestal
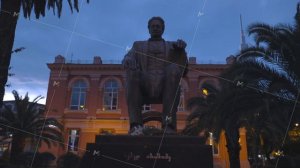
<point>144,152</point>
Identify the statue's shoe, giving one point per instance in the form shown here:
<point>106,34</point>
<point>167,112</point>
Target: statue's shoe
<point>136,131</point>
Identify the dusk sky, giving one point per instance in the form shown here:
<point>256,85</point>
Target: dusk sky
<point>106,28</point>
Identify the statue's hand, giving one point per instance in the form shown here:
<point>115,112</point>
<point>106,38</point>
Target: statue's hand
<point>129,63</point>
<point>179,44</point>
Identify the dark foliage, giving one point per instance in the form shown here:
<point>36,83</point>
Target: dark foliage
<point>28,122</point>
<point>262,96</point>
<point>9,14</point>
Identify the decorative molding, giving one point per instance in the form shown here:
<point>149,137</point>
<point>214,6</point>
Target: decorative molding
<point>95,77</point>
<point>100,111</point>
<point>59,78</point>
<point>67,110</point>
<point>74,79</point>
<point>117,78</point>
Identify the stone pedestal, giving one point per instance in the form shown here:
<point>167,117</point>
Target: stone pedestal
<point>123,151</point>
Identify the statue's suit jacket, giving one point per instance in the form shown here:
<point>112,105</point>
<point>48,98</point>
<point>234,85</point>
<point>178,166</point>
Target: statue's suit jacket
<point>139,52</point>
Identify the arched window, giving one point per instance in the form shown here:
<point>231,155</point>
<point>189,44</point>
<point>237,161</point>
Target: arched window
<point>78,96</point>
<point>110,96</point>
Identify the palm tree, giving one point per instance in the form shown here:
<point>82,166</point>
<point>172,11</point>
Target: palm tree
<point>262,95</point>
<point>200,108</point>
<point>283,44</point>
<point>9,14</point>
<point>282,51</point>
<point>28,122</point>
<point>244,103</point>
<point>263,105</point>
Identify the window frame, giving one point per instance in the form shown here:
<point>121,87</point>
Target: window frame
<point>111,93</point>
<point>76,143</point>
<point>80,98</point>
<point>146,107</point>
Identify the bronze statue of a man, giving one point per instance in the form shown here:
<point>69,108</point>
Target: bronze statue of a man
<point>154,68</point>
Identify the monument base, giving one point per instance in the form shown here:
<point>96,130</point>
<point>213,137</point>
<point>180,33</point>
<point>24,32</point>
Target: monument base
<point>123,151</point>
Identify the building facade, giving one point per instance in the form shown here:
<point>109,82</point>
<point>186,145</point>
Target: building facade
<point>89,99</point>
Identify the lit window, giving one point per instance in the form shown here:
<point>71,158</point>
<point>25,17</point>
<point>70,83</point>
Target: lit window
<point>3,148</point>
<point>146,107</point>
<point>205,91</point>
<point>213,143</point>
<point>78,95</point>
<point>73,140</point>
<point>110,95</point>
<point>181,101</point>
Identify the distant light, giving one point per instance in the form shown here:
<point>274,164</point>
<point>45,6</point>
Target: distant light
<point>205,92</point>
<point>297,124</point>
<point>278,153</point>
<point>10,135</point>
<point>82,107</point>
<point>52,126</point>
<point>211,138</point>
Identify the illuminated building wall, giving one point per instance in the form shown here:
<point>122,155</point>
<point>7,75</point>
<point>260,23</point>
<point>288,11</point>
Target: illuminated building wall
<point>89,99</point>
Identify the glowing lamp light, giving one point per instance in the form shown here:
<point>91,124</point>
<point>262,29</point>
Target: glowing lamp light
<point>296,124</point>
<point>278,153</point>
<point>52,126</point>
<point>205,92</point>
<point>82,107</point>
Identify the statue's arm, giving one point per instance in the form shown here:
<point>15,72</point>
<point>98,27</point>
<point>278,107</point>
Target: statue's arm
<point>179,45</point>
<point>179,55</point>
<point>130,61</point>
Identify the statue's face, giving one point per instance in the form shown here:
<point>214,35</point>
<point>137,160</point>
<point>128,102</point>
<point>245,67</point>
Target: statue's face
<point>156,29</point>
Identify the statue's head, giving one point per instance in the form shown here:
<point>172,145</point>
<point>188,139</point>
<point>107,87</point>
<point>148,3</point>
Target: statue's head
<point>156,27</point>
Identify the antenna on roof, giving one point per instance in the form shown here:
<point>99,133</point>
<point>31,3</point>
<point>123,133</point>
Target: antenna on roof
<point>243,45</point>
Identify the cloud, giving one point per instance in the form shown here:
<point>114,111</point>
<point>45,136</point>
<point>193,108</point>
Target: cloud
<point>32,93</point>
<point>33,86</point>
<point>27,80</point>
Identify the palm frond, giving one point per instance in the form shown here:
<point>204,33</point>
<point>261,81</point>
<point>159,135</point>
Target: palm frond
<point>263,33</point>
<point>53,139</point>
<point>39,7</point>
<point>31,121</point>
<point>252,52</point>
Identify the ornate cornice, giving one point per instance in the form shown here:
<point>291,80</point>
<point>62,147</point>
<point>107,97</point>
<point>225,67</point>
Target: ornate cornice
<point>90,67</point>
